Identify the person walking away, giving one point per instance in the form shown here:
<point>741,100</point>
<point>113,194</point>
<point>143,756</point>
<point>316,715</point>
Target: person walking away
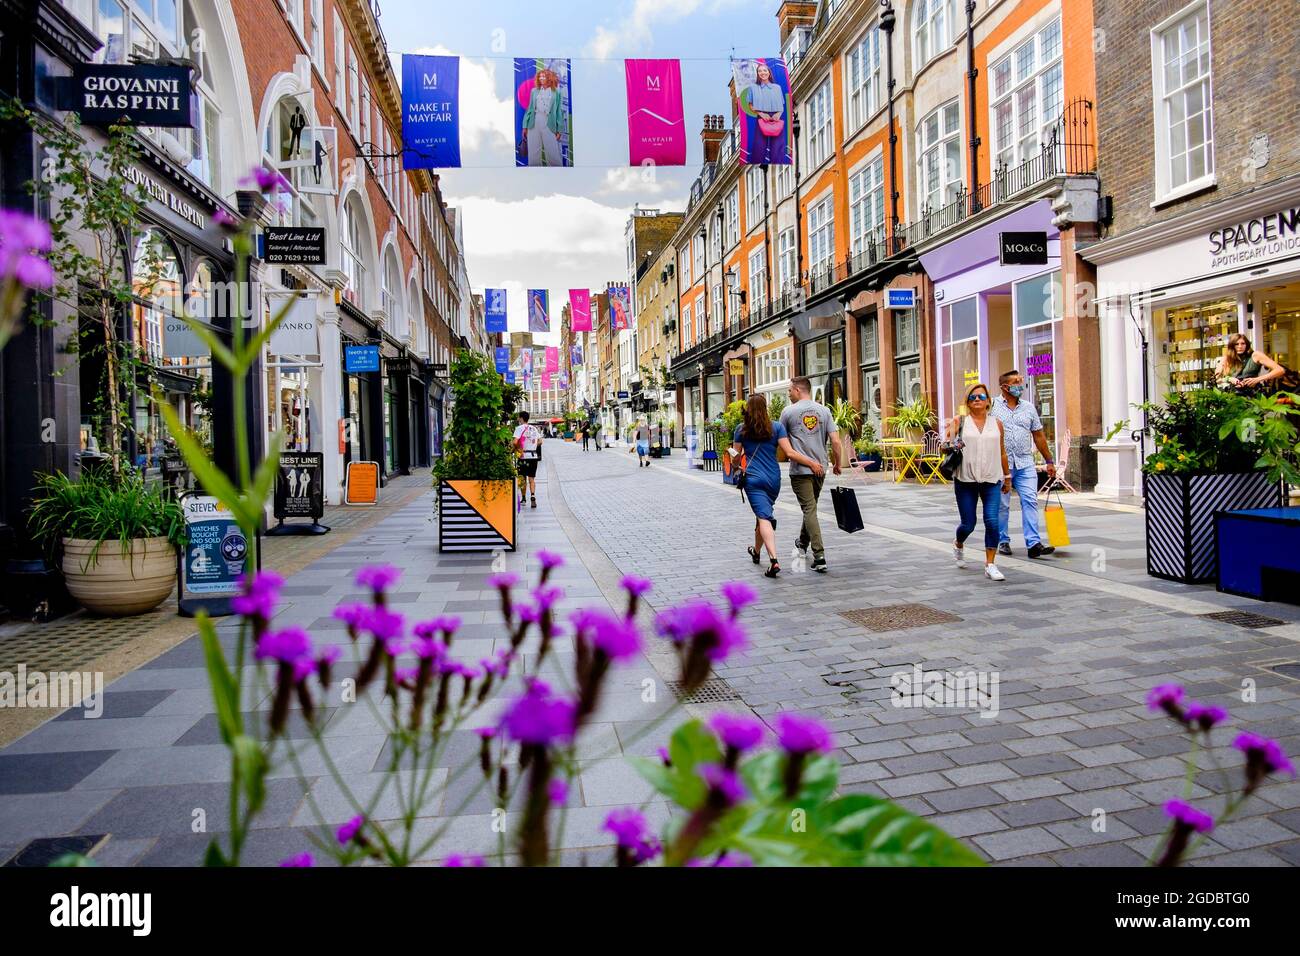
<point>643,444</point>
<point>983,473</point>
<point>595,432</point>
<point>586,435</point>
<point>528,439</point>
<point>758,437</point>
<point>809,425</point>
<point>1024,431</point>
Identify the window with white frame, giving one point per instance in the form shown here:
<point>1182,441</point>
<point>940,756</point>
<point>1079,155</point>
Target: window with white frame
<point>932,25</point>
<point>293,10</point>
<point>352,234</point>
<point>862,78</point>
<point>340,84</point>
<point>1027,96</point>
<point>772,368</point>
<point>294,208</point>
<point>787,259</point>
<point>938,147</point>
<point>699,311</point>
<point>733,216</point>
<point>819,125</point>
<point>684,258</point>
<point>688,329</point>
<point>757,278</point>
<point>821,235</point>
<point>753,196</point>
<point>354,92</point>
<point>697,255</point>
<point>784,180</point>
<point>316,34</point>
<point>717,298</point>
<point>1180,54</point>
<point>866,205</point>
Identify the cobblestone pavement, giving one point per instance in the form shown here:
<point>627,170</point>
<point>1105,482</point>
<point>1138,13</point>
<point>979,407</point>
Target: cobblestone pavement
<point>1075,647</point>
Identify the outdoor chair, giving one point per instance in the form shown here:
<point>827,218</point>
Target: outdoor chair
<point>1062,460</point>
<point>927,464</point>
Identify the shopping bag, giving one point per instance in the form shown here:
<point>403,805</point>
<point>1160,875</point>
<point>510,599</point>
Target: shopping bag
<point>1058,532</point>
<point>847,515</point>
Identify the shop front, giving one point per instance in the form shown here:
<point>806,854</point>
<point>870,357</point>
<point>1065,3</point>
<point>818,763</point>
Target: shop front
<point>773,362</point>
<point>886,347</point>
<point>362,406</point>
<point>1174,292</point>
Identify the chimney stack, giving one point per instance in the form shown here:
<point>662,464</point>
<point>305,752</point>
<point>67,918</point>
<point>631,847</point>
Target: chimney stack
<point>715,130</point>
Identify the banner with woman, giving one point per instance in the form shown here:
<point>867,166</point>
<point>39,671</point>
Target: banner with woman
<point>543,112</point>
<point>539,310</point>
<point>619,299</point>
<point>763,99</point>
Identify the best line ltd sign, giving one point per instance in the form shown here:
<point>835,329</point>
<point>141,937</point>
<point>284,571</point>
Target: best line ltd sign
<point>137,95</point>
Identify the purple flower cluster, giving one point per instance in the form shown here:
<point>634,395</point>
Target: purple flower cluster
<point>802,735</point>
<point>378,578</point>
<point>636,842</point>
<point>23,239</point>
<point>266,180</point>
<point>1186,815</point>
<point>259,594</point>
<point>737,732</point>
<point>540,718</point>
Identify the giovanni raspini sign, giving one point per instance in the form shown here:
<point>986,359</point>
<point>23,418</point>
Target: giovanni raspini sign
<point>142,95</point>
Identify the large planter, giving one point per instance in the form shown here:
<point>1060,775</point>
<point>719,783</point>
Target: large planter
<point>117,584</point>
<point>1180,519</point>
<point>1116,466</point>
<point>476,515</point>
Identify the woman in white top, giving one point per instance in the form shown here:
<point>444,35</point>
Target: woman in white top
<point>984,475</point>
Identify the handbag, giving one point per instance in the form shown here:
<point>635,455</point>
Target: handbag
<point>847,514</point>
<point>951,460</point>
<point>1058,531</point>
<point>771,127</point>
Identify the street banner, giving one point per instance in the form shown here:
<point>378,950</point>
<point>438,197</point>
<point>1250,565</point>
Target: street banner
<point>543,112</point>
<point>494,309</point>
<point>618,307</point>
<point>296,333</point>
<point>510,378</point>
<point>763,101</point>
<point>539,310</point>
<point>503,358</point>
<point>552,358</point>
<point>546,381</point>
<point>526,367</point>
<point>580,307</point>
<point>430,111</point>
<point>564,380</point>
<point>575,354</point>
<point>656,119</point>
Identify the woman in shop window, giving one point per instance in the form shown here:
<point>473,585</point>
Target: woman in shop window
<point>1245,369</point>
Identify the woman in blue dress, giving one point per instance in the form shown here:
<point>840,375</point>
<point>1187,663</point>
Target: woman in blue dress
<point>759,437</point>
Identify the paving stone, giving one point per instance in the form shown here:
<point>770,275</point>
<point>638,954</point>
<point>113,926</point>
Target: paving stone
<point>1029,812</point>
<point>964,798</point>
<point>1020,842</point>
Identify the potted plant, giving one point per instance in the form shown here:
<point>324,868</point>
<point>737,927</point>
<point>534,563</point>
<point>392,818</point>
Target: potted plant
<point>118,538</point>
<point>723,429</point>
<point>476,475</point>
<point>911,420</point>
<point>865,447</point>
<point>1215,451</point>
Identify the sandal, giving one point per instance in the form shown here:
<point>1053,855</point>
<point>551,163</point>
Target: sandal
<point>753,555</point>
<point>773,569</point>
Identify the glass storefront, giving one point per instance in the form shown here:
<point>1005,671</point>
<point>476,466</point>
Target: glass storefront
<point>907,356</point>
<point>1038,309</point>
<point>959,333</point>
<point>1192,339</point>
<point>823,364</point>
<point>1277,323</point>
<point>869,364</point>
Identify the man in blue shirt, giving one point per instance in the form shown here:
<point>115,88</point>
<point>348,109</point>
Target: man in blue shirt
<point>1022,431</point>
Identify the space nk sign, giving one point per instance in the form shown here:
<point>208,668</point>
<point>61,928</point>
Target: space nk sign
<point>137,95</point>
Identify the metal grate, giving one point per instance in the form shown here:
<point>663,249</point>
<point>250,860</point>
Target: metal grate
<point>896,617</point>
<point>713,690</point>
<point>1289,669</point>
<point>1243,619</point>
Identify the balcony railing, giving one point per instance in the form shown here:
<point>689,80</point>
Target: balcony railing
<point>744,321</point>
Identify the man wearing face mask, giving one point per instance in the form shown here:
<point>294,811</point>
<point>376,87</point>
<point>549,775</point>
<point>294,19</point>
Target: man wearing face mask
<point>1023,432</point>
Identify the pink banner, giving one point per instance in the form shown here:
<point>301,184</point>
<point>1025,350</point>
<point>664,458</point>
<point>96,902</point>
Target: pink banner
<point>656,122</point>
<point>552,359</point>
<point>546,381</point>
<point>580,307</point>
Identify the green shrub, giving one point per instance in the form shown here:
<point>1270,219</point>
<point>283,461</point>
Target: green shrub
<point>100,507</point>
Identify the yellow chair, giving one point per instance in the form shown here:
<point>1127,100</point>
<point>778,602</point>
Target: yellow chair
<point>927,463</point>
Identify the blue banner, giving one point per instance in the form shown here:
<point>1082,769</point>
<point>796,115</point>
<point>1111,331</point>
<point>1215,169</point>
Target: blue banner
<point>361,358</point>
<point>503,358</point>
<point>430,111</point>
<point>510,378</point>
<point>494,309</point>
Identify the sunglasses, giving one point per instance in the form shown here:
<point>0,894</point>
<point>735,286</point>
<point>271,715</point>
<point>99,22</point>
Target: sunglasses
<point>977,398</point>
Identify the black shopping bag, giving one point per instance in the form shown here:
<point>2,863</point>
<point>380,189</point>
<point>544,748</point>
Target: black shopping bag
<point>847,515</point>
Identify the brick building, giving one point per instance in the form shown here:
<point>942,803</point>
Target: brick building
<point>649,232</point>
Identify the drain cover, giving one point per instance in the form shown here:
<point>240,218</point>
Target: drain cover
<point>1290,669</point>
<point>1243,619</point>
<point>44,851</point>
<point>713,690</point>
<point>896,617</point>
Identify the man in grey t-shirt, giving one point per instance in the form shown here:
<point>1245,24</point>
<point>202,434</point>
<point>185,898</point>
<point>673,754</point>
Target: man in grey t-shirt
<point>810,426</point>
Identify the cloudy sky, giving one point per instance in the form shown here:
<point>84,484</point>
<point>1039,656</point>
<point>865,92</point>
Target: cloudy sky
<point>563,228</point>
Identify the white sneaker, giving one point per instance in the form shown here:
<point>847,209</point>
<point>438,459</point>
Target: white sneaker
<point>993,574</point>
<point>960,555</point>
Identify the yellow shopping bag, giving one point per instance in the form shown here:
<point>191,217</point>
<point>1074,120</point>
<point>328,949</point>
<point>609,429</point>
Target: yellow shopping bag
<point>1058,532</point>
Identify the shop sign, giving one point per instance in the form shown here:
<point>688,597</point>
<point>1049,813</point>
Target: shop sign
<point>1264,237</point>
<point>143,94</point>
<point>179,339</point>
<point>160,194</point>
<point>216,551</point>
<point>362,487</point>
<point>623,395</point>
<point>900,298</point>
<point>294,245</point>
<point>361,358</point>
<point>398,367</point>
<point>970,376</point>
<point>298,481</point>
<point>736,366</point>
<point>1039,364</point>
<point>1022,248</point>
<point>296,333</point>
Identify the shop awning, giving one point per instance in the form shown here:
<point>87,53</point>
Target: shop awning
<point>825,316</point>
<point>980,245</point>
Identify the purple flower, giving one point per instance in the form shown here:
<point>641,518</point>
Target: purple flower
<point>383,623</point>
<point>349,831</point>
<point>550,560</point>
<point>800,735</point>
<point>1166,698</point>
<point>266,180</point>
<point>1205,716</point>
<point>528,613</point>
<point>288,646</point>
<point>353,615</point>
<point>1189,816</point>
<point>723,782</point>
<point>632,834</point>
<point>635,586</point>
<point>378,577</point>
<point>547,596</point>
<point>458,860</point>
<point>406,675</point>
<point>557,791</point>
<point>617,637</point>
<point>429,648</point>
<point>487,733</point>
<point>225,219</point>
<point>540,718</point>
<point>664,756</point>
<point>394,646</point>
<point>259,593</point>
<point>1263,756</point>
<point>737,731</point>
<point>503,580</point>
<point>22,239</point>
<point>739,595</point>
<point>301,860</point>
<point>701,621</point>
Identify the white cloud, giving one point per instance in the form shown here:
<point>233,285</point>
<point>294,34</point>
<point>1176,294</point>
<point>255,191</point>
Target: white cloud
<point>632,179</point>
<point>484,116</point>
<point>636,30</point>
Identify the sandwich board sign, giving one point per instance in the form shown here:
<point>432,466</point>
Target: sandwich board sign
<point>362,486</point>
<point>298,492</point>
<point>215,558</point>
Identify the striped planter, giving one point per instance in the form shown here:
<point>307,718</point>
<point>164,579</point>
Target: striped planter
<point>1180,519</point>
<point>476,515</point>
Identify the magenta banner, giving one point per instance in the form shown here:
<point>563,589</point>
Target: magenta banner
<point>580,307</point>
<point>552,359</point>
<point>656,121</point>
<point>546,381</point>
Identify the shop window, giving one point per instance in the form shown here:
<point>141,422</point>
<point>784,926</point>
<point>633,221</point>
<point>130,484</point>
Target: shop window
<point>1278,317</point>
<point>823,364</point>
<point>961,361</point>
<point>1038,300</point>
<point>1194,337</point>
<point>157,287</point>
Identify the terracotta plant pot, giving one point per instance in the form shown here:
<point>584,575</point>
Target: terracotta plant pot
<point>115,584</point>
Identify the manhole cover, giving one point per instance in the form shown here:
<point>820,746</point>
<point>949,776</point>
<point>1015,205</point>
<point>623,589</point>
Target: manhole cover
<point>1290,669</point>
<point>1243,619</point>
<point>713,690</point>
<point>896,617</point>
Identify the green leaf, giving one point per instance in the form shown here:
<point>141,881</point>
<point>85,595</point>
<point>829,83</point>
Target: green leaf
<point>214,856</point>
<point>225,688</point>
<point>210,477</point>
<point>264,479</point>
<point>693,744</point>
<point>219,351</point>
<point>250,350</point>
<point>877,832</point>
<point>687,790</point>
<point>252,765</point>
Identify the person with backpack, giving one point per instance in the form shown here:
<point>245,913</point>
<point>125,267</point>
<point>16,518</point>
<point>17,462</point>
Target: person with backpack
<point>528,441</point>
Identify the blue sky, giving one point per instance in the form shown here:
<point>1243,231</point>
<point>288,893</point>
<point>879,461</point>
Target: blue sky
<point>563,228</point>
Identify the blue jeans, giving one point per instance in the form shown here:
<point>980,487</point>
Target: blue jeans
<point>1025,483</point>
<point>970,492</point>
